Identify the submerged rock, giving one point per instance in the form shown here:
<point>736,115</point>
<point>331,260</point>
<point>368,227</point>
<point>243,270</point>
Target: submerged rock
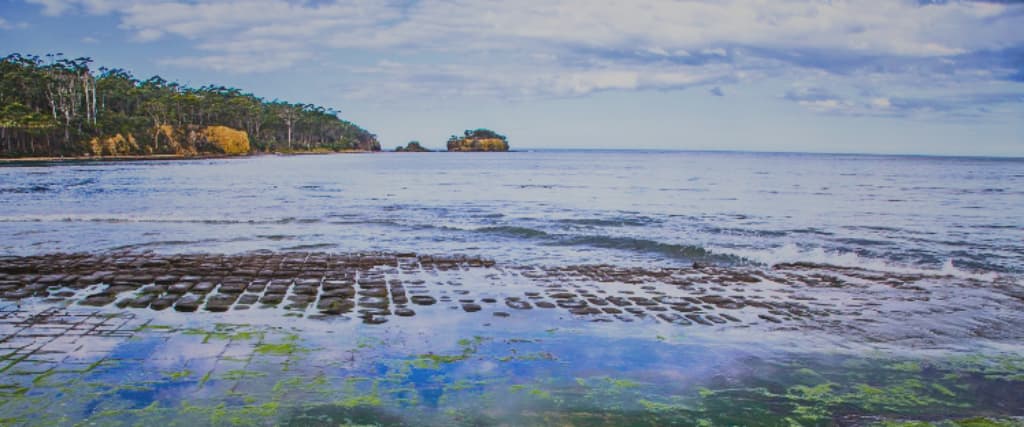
<point>188,303</point>
<point>518,304</point>
<point>423,300</point>
<point>378,285</point>
<point>335,305</point>
<point>98,300</point>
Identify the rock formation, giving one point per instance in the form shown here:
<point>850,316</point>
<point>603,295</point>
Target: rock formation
<point>478,140</point>
<point>411,147</point>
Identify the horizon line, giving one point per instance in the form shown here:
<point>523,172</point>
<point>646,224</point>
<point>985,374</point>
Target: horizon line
<point>728,151</point>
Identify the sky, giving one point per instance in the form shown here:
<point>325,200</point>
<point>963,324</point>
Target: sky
<point>888,76</point>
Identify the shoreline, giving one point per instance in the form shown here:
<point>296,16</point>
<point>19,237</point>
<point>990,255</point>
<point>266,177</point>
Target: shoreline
<point>154,157</point>
<point>284,338</point>
<point>167,157</point>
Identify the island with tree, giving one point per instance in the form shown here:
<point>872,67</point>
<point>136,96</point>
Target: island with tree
<point>478,140</point>
<point>412,147</point>
<point>57,107</point>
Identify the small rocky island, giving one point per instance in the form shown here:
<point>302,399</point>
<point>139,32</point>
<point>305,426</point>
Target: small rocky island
<point>478,140</point>
<point>412,147</point>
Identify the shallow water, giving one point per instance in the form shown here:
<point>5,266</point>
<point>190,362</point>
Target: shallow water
<point>899,213</point>
<point>123,369</point>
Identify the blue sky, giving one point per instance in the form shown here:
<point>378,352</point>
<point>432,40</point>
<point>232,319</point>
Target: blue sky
<point>888,76</point>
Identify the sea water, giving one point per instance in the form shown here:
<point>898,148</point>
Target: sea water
<point>957,222</point>
<point>903,213</point>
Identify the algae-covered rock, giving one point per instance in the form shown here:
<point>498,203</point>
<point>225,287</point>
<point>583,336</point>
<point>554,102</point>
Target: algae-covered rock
<point>478,140</point>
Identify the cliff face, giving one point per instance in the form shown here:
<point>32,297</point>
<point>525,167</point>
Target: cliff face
<point>225,140</point>
<point>368,144</point>
<point>477,144</point>
<point>185,141</point>
<point>192,140</point>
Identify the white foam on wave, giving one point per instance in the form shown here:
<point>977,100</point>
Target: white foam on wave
<point>791,253</point>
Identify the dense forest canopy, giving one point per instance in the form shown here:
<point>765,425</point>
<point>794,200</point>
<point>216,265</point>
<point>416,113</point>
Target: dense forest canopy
<point>483,134</point>
<point>55,106</point>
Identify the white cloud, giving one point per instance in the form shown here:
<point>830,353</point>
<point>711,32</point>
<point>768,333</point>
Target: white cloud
<point>7,25</point>
<point>969,104</point>
<point>877,27</point>
<point>239,62</point>
<point>716,51</point>
<point>54,7</point>
<point>823,104</point>
<point>574,47</point>
<point>881,102</point>
<point>148,35</point>
<point>389,80</point>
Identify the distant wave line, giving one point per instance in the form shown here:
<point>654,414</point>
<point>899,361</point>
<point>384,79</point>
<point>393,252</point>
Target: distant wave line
<point>145,219</point>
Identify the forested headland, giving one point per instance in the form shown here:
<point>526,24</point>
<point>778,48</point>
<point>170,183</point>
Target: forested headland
<point>53,106</point>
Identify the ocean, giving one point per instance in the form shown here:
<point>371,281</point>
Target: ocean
<point>523,288</point>
<point>892,213</point>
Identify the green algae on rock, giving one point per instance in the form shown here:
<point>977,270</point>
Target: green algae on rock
<point>371,379</point>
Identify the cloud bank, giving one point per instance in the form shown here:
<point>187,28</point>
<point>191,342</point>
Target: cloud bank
<point>924,56</point>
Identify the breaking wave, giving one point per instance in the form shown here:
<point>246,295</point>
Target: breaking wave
<point>791,253</point>
<point>631,244</point>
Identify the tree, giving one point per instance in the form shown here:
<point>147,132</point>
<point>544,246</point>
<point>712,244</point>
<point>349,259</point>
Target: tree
<point>56,106</point>
<point>288,114</point>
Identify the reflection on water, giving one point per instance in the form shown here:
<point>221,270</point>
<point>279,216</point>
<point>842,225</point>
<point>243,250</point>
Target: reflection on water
<point>126,369</point>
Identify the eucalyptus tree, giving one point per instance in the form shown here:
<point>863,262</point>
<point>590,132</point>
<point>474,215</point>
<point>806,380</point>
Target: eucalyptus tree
<point>53,105</point>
